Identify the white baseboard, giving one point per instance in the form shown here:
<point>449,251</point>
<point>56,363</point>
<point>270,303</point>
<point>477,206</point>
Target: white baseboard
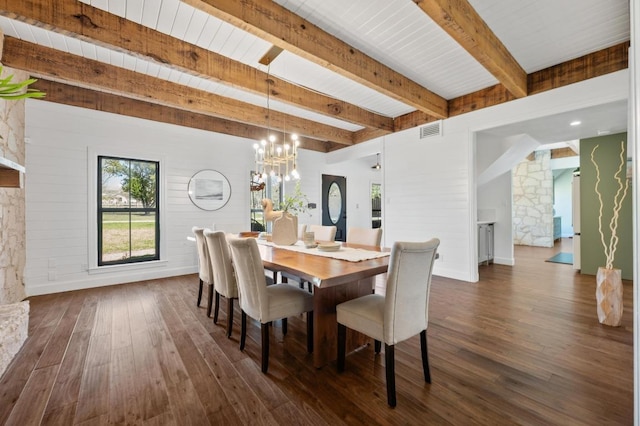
<point>102,280</point>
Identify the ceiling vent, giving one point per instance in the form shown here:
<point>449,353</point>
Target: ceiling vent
<point>431,130</point>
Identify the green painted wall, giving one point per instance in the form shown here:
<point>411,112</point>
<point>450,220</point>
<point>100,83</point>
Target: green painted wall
<point>608,158</point>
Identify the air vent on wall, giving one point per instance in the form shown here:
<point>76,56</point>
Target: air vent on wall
<point>431,129</point>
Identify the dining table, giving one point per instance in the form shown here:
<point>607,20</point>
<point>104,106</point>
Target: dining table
<point>335,280</point>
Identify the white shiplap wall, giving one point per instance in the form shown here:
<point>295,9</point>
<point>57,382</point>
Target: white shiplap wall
<point>60,139</point>
<point>428,185</point>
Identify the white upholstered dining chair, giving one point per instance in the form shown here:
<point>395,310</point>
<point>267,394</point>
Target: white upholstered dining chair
<point>365,236</point>
<point>266,303</point>
<point>402,313</point>
<point>205,271</point>
<point>323,233</point>
<point>224,277</point>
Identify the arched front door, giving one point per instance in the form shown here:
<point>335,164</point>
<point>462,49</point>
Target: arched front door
<point>334,204</point>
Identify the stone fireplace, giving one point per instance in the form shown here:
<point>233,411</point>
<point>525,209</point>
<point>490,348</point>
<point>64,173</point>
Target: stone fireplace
<point>14,312</point>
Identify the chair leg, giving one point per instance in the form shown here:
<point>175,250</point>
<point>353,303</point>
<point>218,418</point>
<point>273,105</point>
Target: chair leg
<point>389,367</point>
<point>265,347</point>
<point>243,330</point>
<point>425,356</point>
<point>216,309</point>
<point>310,331</point>
<point>229,316</point>
<point>200,293</point>
<point>377,345</point>
<point>210,304</point>
<point>284,326</point>
<point>342,346</point>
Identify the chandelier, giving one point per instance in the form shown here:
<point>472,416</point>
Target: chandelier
<point>274,158</point>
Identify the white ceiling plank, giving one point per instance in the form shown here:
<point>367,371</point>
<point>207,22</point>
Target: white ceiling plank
<point>73,46</point>
<point>41,36</point>
<point>208,32</point>
<point>153,69</point>
<point>134,10</point>
<point>150,13</point>
<point>141,66</point>
<point>23,31</point>
<point>100,4</point>
<point>181,21</point>
<point>118,7</point>
<point>195,27</point>
<point>88,50</point>
<point>116,58</point>
<point>129,62</point>
<point>167,15</point>
<point>103,55</point>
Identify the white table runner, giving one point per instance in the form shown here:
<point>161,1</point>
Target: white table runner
<point>349,254</point>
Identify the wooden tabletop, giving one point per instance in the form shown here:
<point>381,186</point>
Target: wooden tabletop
<point>323,271</point>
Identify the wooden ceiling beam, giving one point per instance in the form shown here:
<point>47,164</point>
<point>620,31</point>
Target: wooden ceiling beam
<point>57,65</point>
<point>595,64</point>
<point>460,20</point>
<point>79,20</point>
<point>605,61</point>
<point>100,101</point>
<point>274,23</point>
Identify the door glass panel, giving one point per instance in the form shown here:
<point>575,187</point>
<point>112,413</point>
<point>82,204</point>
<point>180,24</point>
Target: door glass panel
<point>334,202</point>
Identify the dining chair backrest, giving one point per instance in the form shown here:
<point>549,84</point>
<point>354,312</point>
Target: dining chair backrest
<point>230,228</point>
<point>205,270</point>
<point>406,310</point>
<point>322,232</point>
<point>252,288</point>
<point>301,230</point>
<point>223,275</point>
<point>365,236</point>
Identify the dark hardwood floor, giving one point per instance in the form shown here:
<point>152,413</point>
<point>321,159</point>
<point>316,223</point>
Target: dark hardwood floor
<point>522,346</point>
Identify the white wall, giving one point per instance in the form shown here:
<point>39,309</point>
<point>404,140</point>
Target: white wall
<point>59,141</point>
<point>428,185</point>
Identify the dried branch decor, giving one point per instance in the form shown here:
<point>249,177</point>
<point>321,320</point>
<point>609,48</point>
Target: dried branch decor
<point>621,193</point>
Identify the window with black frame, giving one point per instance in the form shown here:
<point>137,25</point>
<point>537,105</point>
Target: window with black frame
<point>263,187</point>
<point>128,212</point>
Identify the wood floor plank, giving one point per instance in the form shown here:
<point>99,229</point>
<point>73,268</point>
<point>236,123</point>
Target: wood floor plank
<point>15,378</point>
<point>124,401</point>
<point>29,410</point>
<point>150,386</point>
<point>67,385</point>
<point>57,345</point>
<point>93,399</point>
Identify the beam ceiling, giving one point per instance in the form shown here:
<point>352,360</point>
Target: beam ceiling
<point>88,23</point>
<point>118,90</point>
<point>274,23</point>
<point>467,28</point>
<point>57,65</point>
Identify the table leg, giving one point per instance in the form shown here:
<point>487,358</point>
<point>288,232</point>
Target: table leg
<point>325,326</point>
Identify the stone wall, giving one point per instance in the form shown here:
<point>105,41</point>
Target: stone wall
<point>533,201</point>
<point>14,314</point>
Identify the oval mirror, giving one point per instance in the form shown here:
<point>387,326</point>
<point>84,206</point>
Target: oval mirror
<point>334,202</point>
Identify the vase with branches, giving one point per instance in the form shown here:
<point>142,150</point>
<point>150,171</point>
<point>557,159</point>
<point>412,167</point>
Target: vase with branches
<point>609,279</point>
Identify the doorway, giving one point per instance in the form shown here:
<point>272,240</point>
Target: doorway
<point>334,204</point>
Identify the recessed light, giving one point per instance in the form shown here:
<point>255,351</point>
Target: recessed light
<point>575,123</point>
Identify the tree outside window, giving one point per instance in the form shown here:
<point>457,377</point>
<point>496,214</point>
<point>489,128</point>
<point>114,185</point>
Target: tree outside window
<point>128,213</point>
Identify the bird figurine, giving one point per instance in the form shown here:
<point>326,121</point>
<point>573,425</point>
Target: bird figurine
<point>269,214</point>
